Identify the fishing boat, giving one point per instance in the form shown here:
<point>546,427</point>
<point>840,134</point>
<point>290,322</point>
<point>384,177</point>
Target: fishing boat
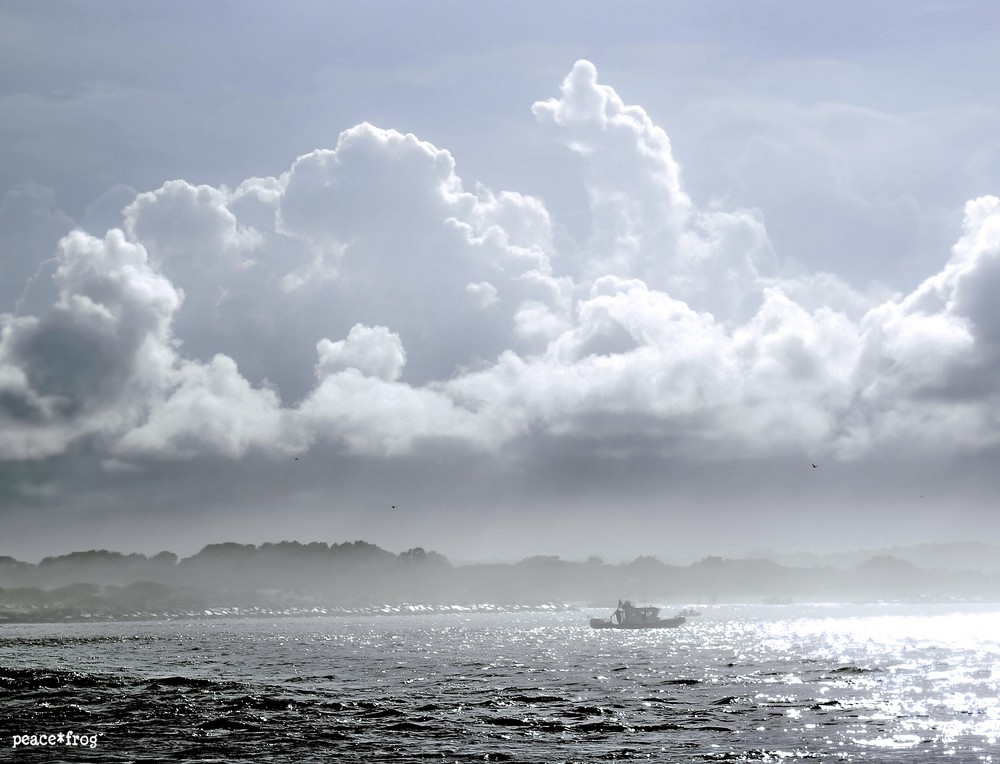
<point>628,616</point>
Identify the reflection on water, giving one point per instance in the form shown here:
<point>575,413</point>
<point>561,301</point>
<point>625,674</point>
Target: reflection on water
<point>769,683</point>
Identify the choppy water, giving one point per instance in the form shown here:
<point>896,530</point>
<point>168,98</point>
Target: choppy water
<point>739,684</point>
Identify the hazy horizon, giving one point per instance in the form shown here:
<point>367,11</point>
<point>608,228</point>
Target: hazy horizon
<point>685,279</point>
<point>938,550</point>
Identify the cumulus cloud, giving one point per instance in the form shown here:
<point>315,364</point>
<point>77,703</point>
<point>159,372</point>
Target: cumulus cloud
<point>366,298</point>
<point>210,409</point>
<point>372,350</point>
<point>638,208</point>
<point>88,365</point>
<point>484,293</point>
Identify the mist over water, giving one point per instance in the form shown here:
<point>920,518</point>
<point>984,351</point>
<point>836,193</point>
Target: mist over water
<point>874,683</point>
<point>291,578</point>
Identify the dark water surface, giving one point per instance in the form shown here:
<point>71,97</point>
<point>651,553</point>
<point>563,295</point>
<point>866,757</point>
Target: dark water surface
<point>828,683</point>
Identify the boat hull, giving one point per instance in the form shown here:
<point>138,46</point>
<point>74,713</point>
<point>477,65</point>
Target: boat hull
<point>662,623</point>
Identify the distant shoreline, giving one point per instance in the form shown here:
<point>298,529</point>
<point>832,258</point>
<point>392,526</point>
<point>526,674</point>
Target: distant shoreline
<point>291,579</point>
<point>73,615</point>
<point>64,615</point>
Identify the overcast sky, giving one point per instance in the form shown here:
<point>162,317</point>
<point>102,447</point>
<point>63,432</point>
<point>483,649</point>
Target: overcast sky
<point>571,278</point>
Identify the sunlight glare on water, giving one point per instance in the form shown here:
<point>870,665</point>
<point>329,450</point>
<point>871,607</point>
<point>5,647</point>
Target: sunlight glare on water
<point>933,674</point>
<point>881,684</point>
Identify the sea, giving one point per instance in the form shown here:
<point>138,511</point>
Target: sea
<point>739,683</point>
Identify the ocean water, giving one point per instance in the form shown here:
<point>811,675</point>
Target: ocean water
<point>827,683</point>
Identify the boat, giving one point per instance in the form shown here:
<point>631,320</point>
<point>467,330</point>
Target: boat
<point>689,612</point>
<point>628,616</point>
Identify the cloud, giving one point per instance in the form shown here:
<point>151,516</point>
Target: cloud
<point>973,274</point>
<point>637,206</point>
<point>99,353</point>
<point>374,351</point>
<point>483,293</point>
<point>210,408</point>
<point>367,299</point>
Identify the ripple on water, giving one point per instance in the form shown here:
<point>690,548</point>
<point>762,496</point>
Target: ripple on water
<point>739,686</point>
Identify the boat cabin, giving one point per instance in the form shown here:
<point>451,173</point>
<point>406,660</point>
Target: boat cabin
<point>628,614</point>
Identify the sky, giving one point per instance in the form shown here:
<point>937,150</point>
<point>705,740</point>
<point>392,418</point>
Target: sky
<point>497,280</point>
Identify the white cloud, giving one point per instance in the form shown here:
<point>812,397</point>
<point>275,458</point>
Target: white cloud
<point>180,222</point>
<point>462,316</point>
<point>372,350</point>
<point>484,294</point>
<point>633,182</point>
<point>210,408</point>
<point>90,364</point>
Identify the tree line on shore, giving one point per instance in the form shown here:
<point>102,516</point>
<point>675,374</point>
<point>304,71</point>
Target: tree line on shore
<point>359,573</point>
